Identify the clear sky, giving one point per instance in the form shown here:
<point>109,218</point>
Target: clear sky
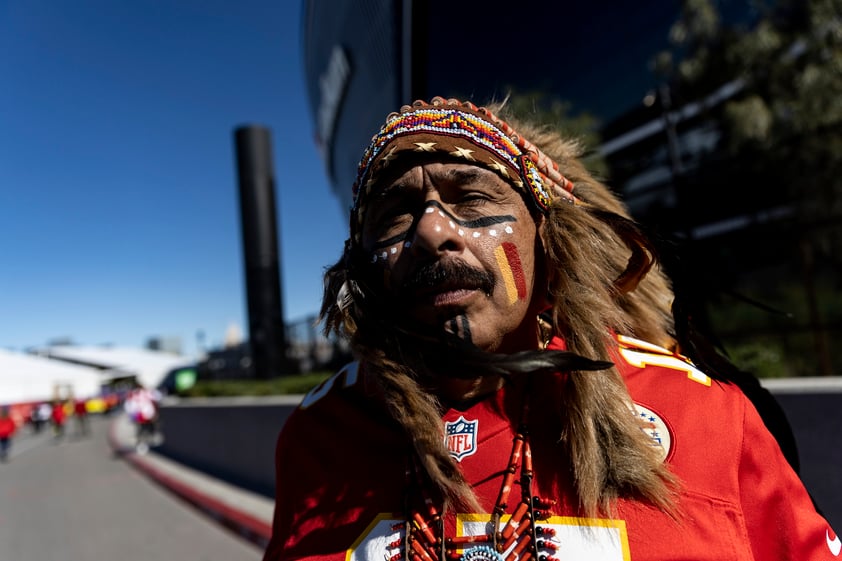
<point>119,216</point>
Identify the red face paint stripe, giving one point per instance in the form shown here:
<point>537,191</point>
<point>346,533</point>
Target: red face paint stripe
<point>517,268</point>
<point>506,272</point>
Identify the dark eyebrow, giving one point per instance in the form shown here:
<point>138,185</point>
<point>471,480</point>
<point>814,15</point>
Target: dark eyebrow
<point>464,175</point>
<point>389,190</point>
<point>473,176</point>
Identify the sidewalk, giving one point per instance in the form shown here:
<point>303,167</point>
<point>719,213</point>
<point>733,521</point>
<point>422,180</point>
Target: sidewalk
<point>246,513</point>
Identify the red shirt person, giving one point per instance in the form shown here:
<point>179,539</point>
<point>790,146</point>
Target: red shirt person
<point>493,414</point>
<point>8,427</point>
<point>58,417</point>
<point>757,511</point>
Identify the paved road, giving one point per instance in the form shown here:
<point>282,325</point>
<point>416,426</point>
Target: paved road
<point>75,500</point>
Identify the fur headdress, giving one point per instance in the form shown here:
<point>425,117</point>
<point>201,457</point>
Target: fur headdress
<point>596,263</point>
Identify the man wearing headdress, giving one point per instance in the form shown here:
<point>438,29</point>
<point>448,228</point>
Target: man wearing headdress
<point>519,392</point>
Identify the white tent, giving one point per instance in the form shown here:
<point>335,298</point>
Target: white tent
<point>27,378</point>
<point>149,367</point>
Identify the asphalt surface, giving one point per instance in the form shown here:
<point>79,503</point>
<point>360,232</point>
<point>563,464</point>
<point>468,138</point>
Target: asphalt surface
<point>82,499</point>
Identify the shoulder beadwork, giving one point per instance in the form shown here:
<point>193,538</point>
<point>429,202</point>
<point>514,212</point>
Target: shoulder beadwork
<point>347,377</point>
<point>642,354</point>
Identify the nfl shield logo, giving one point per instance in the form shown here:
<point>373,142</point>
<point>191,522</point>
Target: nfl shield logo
<point>461,438</point>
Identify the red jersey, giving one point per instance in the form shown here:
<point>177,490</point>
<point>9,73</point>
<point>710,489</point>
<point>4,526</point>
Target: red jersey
<point>58,413</point>
<point>342,483</point>
<point>7,427</point>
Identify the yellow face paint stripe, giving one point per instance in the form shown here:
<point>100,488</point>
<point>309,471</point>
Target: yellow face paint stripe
<point>506,270</point>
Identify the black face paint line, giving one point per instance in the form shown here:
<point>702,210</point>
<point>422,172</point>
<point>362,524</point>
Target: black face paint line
<point>473,224</point>
<point>460,327</point>
<point>470,224</point>
<point>391,241</point>
<point>466,329</point>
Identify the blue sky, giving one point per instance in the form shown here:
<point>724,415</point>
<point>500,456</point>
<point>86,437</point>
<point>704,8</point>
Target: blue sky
<point>119,216</point>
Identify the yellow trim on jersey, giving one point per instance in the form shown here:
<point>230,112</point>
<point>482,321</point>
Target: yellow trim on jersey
<point>640,354</point>
<point>619,525</point>
<point>568,521</point>
<point>627,341</point>
<point>390,518</point>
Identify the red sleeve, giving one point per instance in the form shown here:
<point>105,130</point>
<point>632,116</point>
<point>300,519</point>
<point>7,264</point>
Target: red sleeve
<point>279,524</point>
<point>781,520</point>
<point>288,477</point>
<point>318,515</point>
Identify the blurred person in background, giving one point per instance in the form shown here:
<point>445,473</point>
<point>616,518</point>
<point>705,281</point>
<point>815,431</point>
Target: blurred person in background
<point>58,416</point>
<point>141,405</point>
<point>520,390</point>
<point>40,416</point>
<point>7,431</point>
<point>80,414</point>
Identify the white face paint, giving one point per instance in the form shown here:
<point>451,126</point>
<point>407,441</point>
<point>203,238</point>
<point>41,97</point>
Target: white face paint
<point>449,213</point>
<point>383,256</point>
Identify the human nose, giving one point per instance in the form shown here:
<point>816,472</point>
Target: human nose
<point>435,231</point>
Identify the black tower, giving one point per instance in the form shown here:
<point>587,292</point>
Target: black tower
<point>267,337</point>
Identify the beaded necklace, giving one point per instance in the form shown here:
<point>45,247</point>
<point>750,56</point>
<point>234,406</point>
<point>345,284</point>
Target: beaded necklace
<point>521,538</point>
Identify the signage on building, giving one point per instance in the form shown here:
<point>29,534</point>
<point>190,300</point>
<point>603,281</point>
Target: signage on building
<point>332,84</point>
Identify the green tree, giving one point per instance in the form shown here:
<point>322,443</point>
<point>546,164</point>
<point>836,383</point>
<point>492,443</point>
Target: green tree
<point>781,126</point>
<point>787,72</point>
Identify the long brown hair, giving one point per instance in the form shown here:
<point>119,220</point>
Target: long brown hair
<point>601,278</point>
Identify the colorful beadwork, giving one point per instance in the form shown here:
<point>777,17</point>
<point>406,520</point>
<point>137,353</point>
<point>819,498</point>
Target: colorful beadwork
<point>521,538</point>
<point>450,122</point>
<point>536,184</point>
<point>463,132</point>
<point>481,553</point>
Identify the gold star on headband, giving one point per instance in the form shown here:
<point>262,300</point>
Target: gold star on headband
<point>388,157</point>
<point>425,146</point>
<point>498,167</point>
<point>463,153</point>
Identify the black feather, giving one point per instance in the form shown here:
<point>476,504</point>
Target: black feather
<point>449,356</point>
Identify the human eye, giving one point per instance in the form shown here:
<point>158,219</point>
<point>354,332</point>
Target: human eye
<point>472,201</point>
<point>394,221</point>
<point>385,221</point>
<point>470,205</point>
<point>472,188</point>
<point>474,197</point>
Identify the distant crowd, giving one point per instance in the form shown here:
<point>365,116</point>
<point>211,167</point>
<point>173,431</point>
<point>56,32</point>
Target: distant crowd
<point>140,404</point>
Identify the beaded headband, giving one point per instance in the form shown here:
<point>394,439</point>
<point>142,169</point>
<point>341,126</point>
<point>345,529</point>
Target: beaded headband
<point>465,132</point>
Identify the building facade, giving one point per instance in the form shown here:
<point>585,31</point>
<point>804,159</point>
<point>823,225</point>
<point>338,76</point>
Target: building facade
<point>755,284</point>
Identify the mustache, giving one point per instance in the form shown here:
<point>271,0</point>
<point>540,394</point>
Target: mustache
<point>446,273</point>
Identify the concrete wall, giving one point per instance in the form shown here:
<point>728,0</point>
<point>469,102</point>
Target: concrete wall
<point>814,409</point>
<point>230,438</point>
<point>234,439</point>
